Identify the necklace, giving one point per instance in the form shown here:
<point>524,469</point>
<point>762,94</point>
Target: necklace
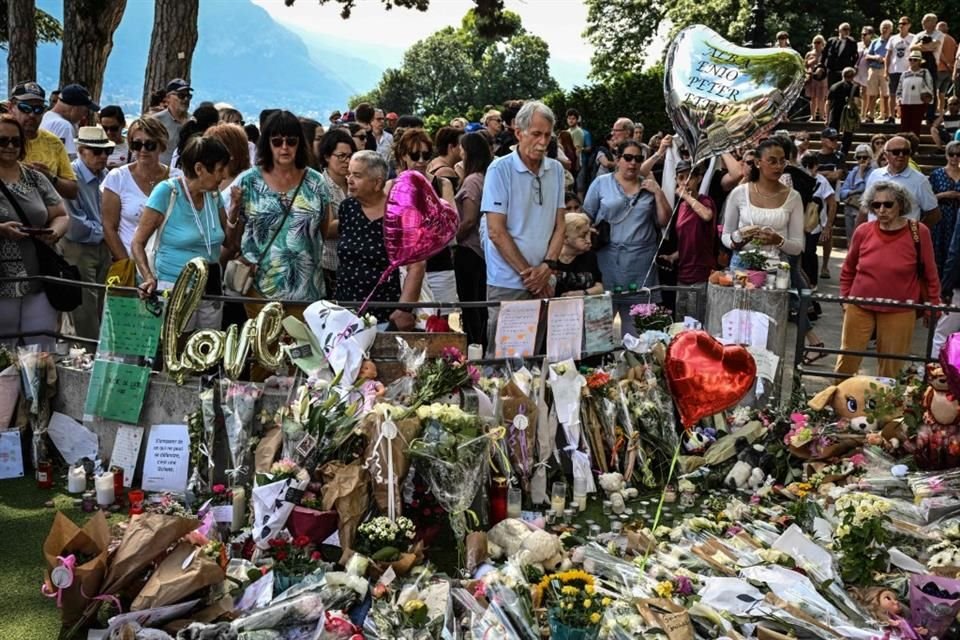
<point>756,189</point>
<point>150,181</point>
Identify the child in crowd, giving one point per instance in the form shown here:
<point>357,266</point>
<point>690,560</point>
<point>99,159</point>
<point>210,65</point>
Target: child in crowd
<point>578,273</point>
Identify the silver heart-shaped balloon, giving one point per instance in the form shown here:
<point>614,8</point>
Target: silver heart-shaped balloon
<point>720,96</point>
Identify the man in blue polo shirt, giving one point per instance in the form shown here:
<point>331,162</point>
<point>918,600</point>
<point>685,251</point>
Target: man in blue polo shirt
<point>523,226</point>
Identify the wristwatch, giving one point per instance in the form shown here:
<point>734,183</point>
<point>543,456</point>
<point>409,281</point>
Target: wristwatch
<point>553,264</point>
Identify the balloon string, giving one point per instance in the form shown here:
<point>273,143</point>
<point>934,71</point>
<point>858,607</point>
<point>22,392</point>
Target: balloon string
<point>663,495</point>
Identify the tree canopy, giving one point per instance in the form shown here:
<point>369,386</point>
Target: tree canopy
<point>621,31</point>
<point>454,69</point>
<point>48,28</point>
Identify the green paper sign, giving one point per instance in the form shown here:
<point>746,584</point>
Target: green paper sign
<point>116,391</point>
<point>128,328</point>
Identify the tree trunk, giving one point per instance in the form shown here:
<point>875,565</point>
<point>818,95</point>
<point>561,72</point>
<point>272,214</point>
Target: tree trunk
<point>22,50</point>
<point>88,27</point>
<point>172,43</point>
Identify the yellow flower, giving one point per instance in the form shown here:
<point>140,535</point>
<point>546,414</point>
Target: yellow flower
<point>569,591</point>
<point>589,589</point>
<point>606,602</point>
<point>587,603</point>
<point>595,618</point>
<point>664,589</point>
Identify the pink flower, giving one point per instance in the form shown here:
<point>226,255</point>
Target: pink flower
<point>858,460</point>
<point>684,587</point>
<point>452,355</point>
<point>474,373</point>
<point>219,488</point>
<point>316,556</point>
<point>798,419</point>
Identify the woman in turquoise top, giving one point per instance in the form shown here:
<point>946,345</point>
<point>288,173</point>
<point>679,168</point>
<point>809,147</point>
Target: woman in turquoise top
<point>282,216</point>
<point>186,216</point>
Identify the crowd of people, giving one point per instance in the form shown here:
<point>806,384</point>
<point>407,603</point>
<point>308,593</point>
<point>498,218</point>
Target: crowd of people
<point>292,209</point>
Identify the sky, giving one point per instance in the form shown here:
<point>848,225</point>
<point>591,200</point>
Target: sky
<point>559,22</point>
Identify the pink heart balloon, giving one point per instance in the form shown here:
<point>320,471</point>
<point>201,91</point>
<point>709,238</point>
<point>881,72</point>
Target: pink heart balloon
<point>950,361</point>
<point>418,223</point>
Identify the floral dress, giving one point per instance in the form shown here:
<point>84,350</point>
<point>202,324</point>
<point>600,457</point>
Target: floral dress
<point>287,249</point>
<point>363,259</point>
<point>942,232</point>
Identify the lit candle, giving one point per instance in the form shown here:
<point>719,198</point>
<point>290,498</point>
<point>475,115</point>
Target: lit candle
<point>239,509</point>
<point>77,479</point>
<point>104,485</point>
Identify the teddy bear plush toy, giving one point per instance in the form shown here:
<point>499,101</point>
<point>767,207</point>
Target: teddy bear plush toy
<point>937,444</point>
<point>850,400</point>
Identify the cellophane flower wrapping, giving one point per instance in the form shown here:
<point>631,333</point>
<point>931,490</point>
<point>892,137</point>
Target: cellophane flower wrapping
<point>401,390</point>
<point>934,602</point>
<point>239,403</point>
<point>272,504</point>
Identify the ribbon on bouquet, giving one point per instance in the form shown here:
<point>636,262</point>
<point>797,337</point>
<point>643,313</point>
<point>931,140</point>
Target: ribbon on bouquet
<point>61,577</point>
<point>388,432</point>
<point>104,597</point>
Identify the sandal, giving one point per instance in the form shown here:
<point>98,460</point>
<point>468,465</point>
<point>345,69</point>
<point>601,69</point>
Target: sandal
<point>813,357</point>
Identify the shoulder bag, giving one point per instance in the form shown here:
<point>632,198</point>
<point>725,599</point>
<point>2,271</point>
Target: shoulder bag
<point>915,233</point>
<point>62,296</point>
<point>238,273</point>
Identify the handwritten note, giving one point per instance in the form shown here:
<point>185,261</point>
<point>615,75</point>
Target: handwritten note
<point>168,458</point>
<point>740,326</point>
<point>598,323</point>
<point>564,329</point>
<point>11,455</point>
<point>517,328</point>
<point>128,328</point>
<point>73,440</point>
<point>116,391</point>
<point>126,450</point>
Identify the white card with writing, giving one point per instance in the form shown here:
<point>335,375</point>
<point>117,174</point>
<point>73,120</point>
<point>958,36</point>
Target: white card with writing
<point>168,458</point>
<point>126,451</point>
<point>11,455</point>
<point>564,329</point>
<point>517,328</point>
<point>73,440</point>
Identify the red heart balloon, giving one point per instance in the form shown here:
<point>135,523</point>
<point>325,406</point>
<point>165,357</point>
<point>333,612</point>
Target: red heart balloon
<point>417,223</point>
<point>706,377</point>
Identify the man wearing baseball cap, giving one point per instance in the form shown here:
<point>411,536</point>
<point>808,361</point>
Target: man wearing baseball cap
<point>83,244</point>
<point>44,152</point>
<point>66,115</point>
<point>179,93</point>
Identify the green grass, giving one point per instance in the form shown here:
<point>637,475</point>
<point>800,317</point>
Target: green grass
<point>25,614</point>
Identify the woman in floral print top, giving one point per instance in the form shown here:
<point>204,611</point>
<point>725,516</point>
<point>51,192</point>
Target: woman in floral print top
<point>284,213</point>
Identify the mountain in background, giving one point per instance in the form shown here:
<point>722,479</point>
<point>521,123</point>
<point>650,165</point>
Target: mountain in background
<point>243,57</point>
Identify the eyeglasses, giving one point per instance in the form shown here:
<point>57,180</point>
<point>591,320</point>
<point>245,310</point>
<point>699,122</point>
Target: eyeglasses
<point>417,156</point>
<point>149,145</point>
<point>494,119</point>
<point>113,129</point>
<point>278,141</point>
<point>631,157</point>
<point>10,141</point>
<point>98,151</point>
<point>184,95</point>
<point>903,24</point>
<point>953,154</point>
<point>886,204</point>
<point>26,107</point>
<point>343,157</point>
<point>899,152</point>
<point>539,190</point>
<point>361,136</point>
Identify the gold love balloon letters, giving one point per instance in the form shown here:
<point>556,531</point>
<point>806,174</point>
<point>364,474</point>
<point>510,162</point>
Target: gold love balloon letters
<point>205,348</point>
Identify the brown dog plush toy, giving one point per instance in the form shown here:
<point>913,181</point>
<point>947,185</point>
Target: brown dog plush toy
<point>850,400</point>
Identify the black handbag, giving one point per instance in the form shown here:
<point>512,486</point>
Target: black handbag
<point>62,296</point>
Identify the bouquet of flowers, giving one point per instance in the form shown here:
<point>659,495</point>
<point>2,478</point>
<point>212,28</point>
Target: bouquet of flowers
<point>442,376</point>
<point>518,414</point>
<point>451,454</point>
<point>649,433</point>
<point>574,608</point>
<point>274,496</point>
<point>292,559</point>
<point>861,537</point>
<point>384,539</point>
<point>221,495</point>
<point>754,259</point>
<point>238,404</point>
<point>320,425</point>
<point>650,317</point>
<point>386,457</point>
<point>598,412</point>
<point>414,613</point>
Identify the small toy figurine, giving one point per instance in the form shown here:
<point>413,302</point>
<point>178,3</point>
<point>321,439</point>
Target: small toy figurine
<point>371,389</point>
<point>884,605</point>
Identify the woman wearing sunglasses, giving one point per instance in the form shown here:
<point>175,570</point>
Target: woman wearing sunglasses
<point>126,189</point>
<point>24,307</point>
<point>412,152</point>
<point>883,262</point>
<point>281,218</point>
<point>945,182</point>
<point>629,210</point>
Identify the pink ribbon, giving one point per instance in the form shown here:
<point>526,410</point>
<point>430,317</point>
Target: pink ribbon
<point>67,563</point>
<point>104,598</point>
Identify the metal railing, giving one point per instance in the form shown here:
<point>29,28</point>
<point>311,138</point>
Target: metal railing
<point>699,292</point>
<point>807,298</point>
